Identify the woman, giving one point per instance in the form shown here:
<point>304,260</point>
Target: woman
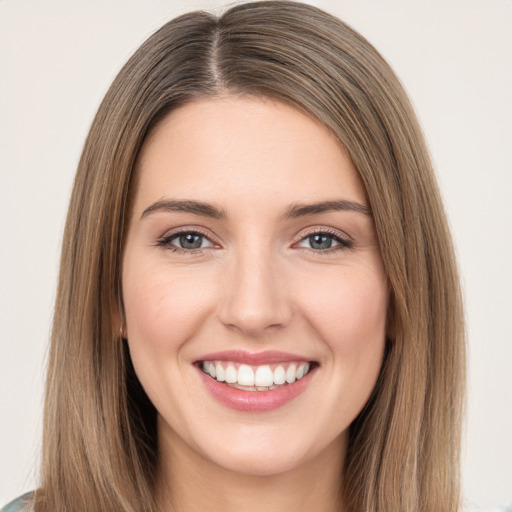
<point>258,302</point>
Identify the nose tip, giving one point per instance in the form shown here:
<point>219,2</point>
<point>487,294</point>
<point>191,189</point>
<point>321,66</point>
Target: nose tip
<point>252,322</point>
<point>255,301</point>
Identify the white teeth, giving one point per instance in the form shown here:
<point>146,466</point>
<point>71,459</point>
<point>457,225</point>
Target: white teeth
<point>264,376</point>
<point>279,376</point>
<point>231,374</point>
<point>258,378</point>
<point>221,374</point>
<point>245,375</point>
<point>290,374</point>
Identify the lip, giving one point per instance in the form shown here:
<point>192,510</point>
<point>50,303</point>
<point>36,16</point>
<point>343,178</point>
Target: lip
<point>253,358</point>
<point>254,401</point>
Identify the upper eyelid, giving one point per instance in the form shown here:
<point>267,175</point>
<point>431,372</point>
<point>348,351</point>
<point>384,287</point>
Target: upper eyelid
<point>172,233</point>
<point>301,235</point>
<point>314,230</point>
<point>165,241</point>
<point>344,241</point>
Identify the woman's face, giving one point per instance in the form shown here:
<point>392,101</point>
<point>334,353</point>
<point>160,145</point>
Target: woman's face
<point>254,290</point>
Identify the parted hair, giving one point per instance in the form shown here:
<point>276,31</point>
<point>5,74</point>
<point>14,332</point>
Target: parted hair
<point>99,441</point>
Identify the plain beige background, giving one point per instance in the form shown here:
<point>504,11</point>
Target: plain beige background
<point>455,58</point>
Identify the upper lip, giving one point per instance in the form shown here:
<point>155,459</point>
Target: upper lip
<point>253,358</point>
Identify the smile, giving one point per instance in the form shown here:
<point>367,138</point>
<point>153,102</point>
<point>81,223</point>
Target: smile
<point>255,382</point>
<point>255,378</point>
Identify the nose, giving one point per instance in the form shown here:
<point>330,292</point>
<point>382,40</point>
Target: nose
<point>255,299</point>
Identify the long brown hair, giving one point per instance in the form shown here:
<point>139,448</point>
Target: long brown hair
<point>99,448</point>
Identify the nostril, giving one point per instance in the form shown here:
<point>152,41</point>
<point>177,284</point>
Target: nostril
<point>253,301</point>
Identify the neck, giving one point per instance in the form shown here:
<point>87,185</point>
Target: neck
<point>188,482</point>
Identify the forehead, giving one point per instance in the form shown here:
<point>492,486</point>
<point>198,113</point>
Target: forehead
<point>247,148</point>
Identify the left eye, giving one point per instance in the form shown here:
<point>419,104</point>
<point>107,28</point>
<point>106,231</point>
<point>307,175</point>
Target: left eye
<point>320,241</point>
<point>188,241</point>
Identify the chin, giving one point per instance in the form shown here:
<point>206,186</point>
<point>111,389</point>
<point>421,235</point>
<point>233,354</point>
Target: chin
<point>258,461</point>
<point>264,450</point>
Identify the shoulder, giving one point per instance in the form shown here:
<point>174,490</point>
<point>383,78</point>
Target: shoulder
<point>19,504</point>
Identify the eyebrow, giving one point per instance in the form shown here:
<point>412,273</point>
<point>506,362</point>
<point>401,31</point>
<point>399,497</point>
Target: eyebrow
<point>195,207</point>
<point>294,211</point>
<point>302,210</point>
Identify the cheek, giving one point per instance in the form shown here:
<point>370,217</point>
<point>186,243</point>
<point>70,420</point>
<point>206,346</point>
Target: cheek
<point>352,323</point>
<point>350,315</point>
<point>348,307</point>
<point>163,308</point>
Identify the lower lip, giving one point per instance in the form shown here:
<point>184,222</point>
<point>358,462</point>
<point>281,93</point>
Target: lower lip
<point>255,401</point>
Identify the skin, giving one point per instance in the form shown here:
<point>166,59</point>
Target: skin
<point>256,284</point>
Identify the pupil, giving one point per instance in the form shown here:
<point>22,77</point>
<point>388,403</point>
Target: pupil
<point>190,241</point>
<point>320,241</point>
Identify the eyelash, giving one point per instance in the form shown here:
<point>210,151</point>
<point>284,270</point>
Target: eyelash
<point>343,243</point>
<point>166,240</point>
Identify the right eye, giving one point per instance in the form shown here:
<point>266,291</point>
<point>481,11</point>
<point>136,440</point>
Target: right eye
<point>185,241</point>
